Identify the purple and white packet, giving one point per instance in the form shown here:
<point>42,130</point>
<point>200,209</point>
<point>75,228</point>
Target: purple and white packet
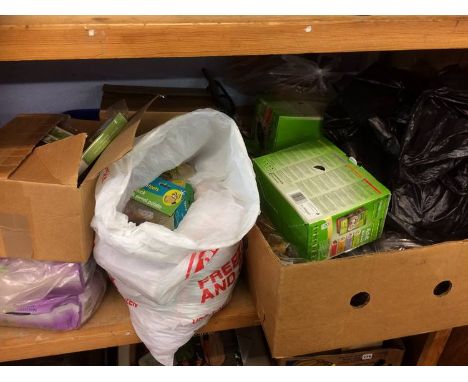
<point>24,282</point>
<point>57,312</point>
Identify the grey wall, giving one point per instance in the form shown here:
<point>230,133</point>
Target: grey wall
<point>58,86</point>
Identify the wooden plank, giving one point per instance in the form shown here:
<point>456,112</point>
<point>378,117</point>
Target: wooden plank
<point>433,348</point>
<point>456,349</point>
<point>111,326</point>
<point>88,37</point>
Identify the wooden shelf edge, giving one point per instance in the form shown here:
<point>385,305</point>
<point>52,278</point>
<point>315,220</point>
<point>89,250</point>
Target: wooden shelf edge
<point>111,326</point>
<point>79,37</point>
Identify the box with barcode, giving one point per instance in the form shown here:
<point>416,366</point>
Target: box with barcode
<point>319,200</point>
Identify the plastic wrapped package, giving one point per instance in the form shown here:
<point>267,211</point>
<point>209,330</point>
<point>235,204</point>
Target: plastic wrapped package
<point>389,241</point>
<point>59,312</point>
<point>280,247</point>
<point>23,282</point>
<point>292,75</point>
<point>174,281</point>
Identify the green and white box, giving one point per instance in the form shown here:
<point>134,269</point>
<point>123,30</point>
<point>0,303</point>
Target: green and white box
<point>321,202</point>
<point>284,123</point>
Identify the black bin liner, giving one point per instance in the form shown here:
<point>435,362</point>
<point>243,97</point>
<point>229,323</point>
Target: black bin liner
<point>430,194</point>
<point>412,134</point>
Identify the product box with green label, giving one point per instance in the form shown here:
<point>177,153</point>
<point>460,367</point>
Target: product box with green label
<point>321,202</point>
<point>161,194</point>
<point>281,123</point>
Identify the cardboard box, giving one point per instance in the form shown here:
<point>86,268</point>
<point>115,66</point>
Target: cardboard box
<point>281,124</point>
<point>171,102</point>
<point>317,306</point>
<point>390,354</point>
<point>44,213</point>
<point>319,200</point>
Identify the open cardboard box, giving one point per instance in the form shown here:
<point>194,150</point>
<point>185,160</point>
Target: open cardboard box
<point>317,306</point>
<point>44,213</point>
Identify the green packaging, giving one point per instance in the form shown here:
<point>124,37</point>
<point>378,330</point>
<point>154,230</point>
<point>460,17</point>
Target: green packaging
<point>103,137</point>
<point>161,195</point>
<point>281,124</point>
<point>56,134</point>
<point>319,200</point>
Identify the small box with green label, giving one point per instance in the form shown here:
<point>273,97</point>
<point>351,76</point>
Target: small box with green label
<point>281,124</point>
<point>321,202</point>
<point>161,195</point>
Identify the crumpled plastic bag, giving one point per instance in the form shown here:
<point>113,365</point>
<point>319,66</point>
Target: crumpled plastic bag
<point>174,281</point>
<point>290,75</point>
<point>430,196</point>
<point>368,117</point>
<point>412,134</point>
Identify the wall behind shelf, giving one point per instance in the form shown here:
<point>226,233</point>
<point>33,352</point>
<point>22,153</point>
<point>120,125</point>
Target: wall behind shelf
<point>58,86</point>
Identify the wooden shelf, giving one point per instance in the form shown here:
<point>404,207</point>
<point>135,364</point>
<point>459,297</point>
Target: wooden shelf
<point>111,326</point>
<point>87,37</point>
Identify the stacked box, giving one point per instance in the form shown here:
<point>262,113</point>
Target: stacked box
<point>281,123</point>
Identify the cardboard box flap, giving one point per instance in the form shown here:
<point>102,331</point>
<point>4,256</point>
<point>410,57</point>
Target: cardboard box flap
<point>170,99</point>
<point>121,145</point>
<point>57,162</point>
<point>154,90</point>
<point>19,137</point>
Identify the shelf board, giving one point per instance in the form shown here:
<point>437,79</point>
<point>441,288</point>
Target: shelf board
<point>88,37</point>
<point>111,326</point>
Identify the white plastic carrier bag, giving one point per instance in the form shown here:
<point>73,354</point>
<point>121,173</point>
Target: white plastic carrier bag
<point>173,281</point>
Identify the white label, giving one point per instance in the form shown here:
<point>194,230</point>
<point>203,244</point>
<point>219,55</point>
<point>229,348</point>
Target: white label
<point>367,356</point>
<point>308,209</point>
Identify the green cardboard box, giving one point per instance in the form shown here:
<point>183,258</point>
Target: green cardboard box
<point>319,200</point>
<point>281,124</point>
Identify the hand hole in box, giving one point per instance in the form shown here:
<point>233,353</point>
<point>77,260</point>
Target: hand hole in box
<point>360,300</point>
<point>442,288</point>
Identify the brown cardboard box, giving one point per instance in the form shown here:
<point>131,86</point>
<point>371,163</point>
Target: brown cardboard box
<point>170,103</point>
<point>44,213</point>
<point>308,308</point>
<point>390,354</point>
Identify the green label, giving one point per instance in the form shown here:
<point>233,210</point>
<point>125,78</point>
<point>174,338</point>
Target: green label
<point>161,194</point>
<point>111,129</point>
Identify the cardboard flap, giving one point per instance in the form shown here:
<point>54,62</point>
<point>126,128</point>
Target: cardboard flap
<point>153,90</point>
<point>19,137</point>
<point>121,145</point>
<point>57,162</point>
<point>170,99</point>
